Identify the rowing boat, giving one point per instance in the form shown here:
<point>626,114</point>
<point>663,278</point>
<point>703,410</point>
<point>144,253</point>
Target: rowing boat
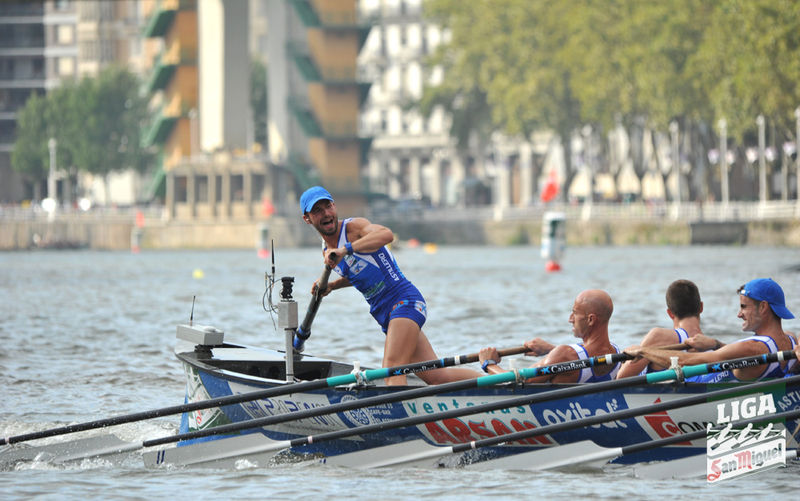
<point>217,369</point>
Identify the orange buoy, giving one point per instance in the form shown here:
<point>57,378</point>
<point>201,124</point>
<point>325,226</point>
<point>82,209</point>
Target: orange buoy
<point>552,266</point>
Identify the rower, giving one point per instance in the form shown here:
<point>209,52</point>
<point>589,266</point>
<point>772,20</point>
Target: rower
<point>590,315</point>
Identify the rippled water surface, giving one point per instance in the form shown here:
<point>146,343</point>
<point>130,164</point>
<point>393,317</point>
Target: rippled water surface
<point>87,335</point>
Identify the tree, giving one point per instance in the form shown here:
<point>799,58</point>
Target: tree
<point>558,65</point>
<point>258,101</point>
<point>30,156</point>
<point>97,123</point>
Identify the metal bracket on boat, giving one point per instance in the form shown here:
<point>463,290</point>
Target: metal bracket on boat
<point>673,364</point>
<point>520,380</point>
<point>361,381</point>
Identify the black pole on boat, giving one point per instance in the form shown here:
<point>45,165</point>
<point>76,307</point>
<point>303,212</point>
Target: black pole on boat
<point>191,313</point>
<point>304,331</point>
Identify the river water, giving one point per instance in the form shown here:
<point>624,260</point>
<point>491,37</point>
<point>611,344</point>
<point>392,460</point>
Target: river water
<point>87,335</point>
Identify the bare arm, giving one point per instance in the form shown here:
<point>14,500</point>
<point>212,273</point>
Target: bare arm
<point>538,347</point>
<point>727,352</point>
<point>559,354</point>
<point>364,237</point>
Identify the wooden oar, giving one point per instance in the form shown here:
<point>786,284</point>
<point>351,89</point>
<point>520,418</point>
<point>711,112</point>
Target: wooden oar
<point>192,454</point>
<point>224,453</point>
<point>345,379</point>
<point>581,453</point>
<point>424,454</point>
<point>304,331</point>
<point>343,406</point>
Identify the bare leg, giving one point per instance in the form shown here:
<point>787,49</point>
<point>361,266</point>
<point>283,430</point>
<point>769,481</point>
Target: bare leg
<point>406,343</point>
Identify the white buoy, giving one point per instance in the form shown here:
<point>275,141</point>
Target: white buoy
<point>553,239</point>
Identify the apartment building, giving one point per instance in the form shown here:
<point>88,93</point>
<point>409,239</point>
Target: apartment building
<point>45,43</point>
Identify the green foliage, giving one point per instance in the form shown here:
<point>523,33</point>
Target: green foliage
<point>558,65</point>
<point>31,155</point>
<point>96,122</point>
<point>258,100</point>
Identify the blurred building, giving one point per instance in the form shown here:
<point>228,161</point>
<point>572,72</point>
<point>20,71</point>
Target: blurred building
<point>316,95</point>
<point>44,43</point>
<point>414,158</point>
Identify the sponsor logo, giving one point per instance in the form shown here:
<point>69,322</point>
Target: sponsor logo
<point>356,416</point>
<point>388,266</point>
<point>663,424</point>
<point>732,452</point>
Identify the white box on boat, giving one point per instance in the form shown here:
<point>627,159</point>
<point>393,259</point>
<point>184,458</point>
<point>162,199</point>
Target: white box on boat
<point>201,334</point>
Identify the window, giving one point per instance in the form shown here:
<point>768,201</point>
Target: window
<point>66,67</point>
<point>65,34</point>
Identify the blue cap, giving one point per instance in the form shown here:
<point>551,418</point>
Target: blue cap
<point>767,289</point>
<point>312,196</point>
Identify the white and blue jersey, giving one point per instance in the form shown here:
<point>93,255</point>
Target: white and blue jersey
<point>587,374</point>
<point>682,337</point>
<point>377,276</point>
<point>773,370</point>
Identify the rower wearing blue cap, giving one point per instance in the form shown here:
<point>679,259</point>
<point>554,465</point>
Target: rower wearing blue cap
<point>762,307</point>
<point>357,250</point>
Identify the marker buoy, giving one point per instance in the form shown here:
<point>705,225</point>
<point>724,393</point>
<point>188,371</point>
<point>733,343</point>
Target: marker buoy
<point>553,239</point>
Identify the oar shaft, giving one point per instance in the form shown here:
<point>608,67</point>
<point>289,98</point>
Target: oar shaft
<point>625,414</point>
<point>572,391</point>
<point>316,384</point>
<point>305,327</point>
<point>694,435</point>
<point>400,396</point>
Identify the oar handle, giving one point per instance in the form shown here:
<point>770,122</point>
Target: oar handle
<point>675,347</point>
<point>304,331</point>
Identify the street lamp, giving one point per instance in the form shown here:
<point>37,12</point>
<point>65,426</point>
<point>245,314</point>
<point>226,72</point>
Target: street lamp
<point>51,177</point>
<point>673,130</point>
<point>723,162</point>
<point>50,203</point>
<point>762,164</point>
<point>797,154</point>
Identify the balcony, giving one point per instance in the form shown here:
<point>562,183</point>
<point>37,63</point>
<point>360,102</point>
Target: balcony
<point>161,19</point>
<point>167,62</point>
<point>164,120</point>
<point>333,19</point>
<point>305,117</point>
<point>304,173</point>
<point>305,65</point>
<point>162,74</point>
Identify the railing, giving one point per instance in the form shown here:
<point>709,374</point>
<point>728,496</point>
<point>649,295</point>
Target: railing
<point>36,213</point>
<point>634,212</point>
<point>645,212</point>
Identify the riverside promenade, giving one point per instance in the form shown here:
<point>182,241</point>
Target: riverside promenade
<point>773,223</point>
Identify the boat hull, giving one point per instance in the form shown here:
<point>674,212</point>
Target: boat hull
<point>235,370</point>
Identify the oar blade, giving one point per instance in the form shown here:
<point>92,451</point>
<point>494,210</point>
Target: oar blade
<point>71,450</point>
<point>577,454</point>
<point>254,448</point>
<point>412,453</point>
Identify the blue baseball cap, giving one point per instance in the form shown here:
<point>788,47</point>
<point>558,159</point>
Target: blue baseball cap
<point>312,196</point>
<point>767,289</point>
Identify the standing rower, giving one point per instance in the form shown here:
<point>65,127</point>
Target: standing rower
<point>356,249</point>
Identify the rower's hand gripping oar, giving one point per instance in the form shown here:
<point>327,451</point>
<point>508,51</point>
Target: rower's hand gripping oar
<point>304,331</point>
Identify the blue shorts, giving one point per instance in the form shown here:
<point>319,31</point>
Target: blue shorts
<point>411,305</point>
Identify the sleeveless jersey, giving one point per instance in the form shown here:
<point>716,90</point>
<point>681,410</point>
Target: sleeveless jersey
<point>773,370</point>
<point>682,337</point>
<point>376,275</point>
<point>587,375</point>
